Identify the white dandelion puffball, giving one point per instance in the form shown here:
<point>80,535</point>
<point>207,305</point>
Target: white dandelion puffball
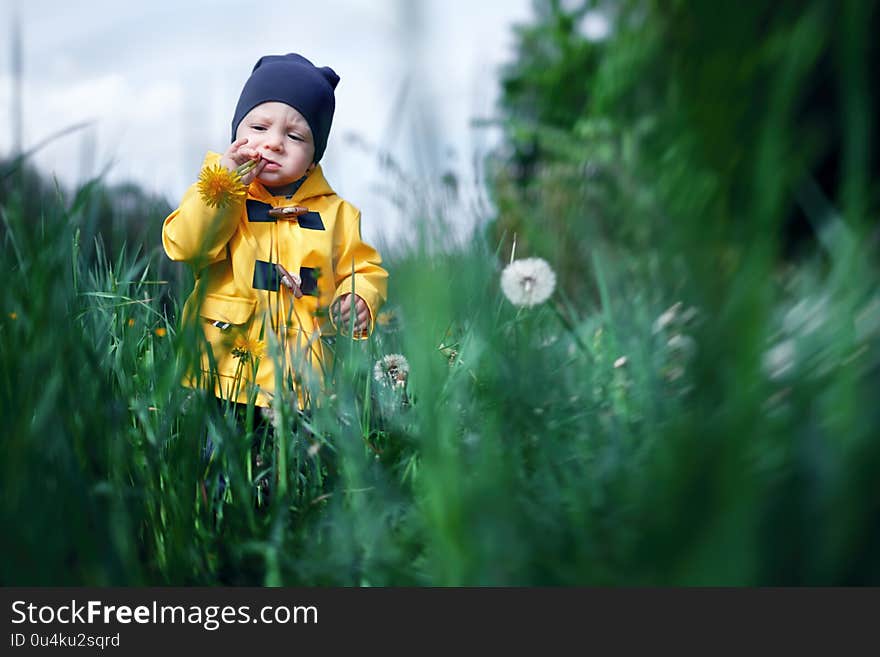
<point>528,282</point>
<point>391,369</point>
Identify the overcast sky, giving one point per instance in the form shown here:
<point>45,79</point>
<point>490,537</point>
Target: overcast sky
<point>160,80</point>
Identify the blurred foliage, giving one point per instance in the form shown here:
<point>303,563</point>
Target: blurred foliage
<point>110,218</point>
<point>683,112</point>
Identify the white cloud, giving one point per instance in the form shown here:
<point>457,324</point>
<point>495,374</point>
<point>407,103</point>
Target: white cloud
<point>95,97</point>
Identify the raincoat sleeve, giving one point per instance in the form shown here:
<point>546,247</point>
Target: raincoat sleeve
<point>360,263</point>
<point>196,233</point>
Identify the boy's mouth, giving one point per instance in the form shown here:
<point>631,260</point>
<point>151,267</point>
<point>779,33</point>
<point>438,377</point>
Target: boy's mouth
<point>270,165</point>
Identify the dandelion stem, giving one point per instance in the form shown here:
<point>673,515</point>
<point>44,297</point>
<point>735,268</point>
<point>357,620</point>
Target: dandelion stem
<point>244,169</point>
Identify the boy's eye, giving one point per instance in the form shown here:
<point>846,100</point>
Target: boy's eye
<point>258,128</point>
<point>295,137</point>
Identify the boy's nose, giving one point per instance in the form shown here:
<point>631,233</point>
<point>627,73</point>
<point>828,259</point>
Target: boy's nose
<point>273,142</point>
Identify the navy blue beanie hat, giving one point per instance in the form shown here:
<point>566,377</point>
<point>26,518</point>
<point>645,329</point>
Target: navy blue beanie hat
<point>294,80</point>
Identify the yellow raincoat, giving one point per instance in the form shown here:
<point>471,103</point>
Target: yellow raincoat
<point>233,252</point>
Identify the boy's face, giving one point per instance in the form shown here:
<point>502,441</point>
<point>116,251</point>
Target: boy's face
<point>282,137</point>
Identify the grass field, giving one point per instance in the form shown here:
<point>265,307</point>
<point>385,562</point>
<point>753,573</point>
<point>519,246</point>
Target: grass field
<point>687,407</point>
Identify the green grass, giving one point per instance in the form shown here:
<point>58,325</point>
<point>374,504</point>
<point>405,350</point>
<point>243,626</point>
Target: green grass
<point>523,449</point>
<point>690,407</point>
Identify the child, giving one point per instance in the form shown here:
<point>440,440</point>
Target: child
<point>269,261</point>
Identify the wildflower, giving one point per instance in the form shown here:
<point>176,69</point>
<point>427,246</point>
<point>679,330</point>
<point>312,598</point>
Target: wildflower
<point>219,187</point>
<point>385,318</point>
<point>160,332</point>
<point>393,368</point>
<point>528,282</point>
<point>247,349</point>
<point>131,322</point>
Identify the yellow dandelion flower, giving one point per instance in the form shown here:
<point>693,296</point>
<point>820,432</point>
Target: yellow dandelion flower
<point>13,316</point>
<point>160,332</point>
<point>220,187</point>
<point>246,349</point>
<point>385,318</point>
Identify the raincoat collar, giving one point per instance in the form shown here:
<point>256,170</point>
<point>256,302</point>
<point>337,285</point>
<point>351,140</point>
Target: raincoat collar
<point>313,186</point>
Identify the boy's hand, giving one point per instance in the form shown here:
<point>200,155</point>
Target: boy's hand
<point>237,154</point>
<point>341,312</point>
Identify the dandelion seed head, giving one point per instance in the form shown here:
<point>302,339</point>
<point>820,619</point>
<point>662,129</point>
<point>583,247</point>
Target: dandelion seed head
<point>392,369</point>
<point>528,282</point>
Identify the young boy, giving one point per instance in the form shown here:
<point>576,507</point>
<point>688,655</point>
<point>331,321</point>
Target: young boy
<point>270,262</point>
